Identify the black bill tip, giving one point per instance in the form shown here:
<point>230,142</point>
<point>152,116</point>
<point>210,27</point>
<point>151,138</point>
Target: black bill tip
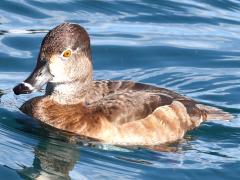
<point>22,89</point>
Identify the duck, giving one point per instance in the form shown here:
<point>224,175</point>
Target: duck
<point>117,112</point>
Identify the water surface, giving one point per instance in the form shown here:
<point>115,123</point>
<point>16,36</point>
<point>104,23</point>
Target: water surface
<point>192,47</point>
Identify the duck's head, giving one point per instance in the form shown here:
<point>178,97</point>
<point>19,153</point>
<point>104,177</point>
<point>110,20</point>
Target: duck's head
<point>64,57</point>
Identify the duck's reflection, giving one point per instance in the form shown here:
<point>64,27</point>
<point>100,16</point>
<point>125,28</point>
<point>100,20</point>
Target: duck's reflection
<point>54,159</point>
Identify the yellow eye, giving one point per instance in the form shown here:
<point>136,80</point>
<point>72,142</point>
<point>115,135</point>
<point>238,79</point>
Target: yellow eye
<point>67,53</point>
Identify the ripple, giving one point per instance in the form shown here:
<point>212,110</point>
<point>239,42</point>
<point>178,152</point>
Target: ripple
<point>188,46</point>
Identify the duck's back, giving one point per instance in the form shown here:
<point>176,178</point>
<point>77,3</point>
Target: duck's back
<point>125,101</point>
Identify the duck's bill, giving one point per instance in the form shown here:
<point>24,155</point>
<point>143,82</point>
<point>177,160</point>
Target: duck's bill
<point>40,76</point>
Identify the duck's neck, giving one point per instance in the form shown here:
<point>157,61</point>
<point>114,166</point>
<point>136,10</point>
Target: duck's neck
<point>69,93</point>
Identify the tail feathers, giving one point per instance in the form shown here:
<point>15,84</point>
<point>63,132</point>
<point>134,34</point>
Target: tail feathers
<point>214,113</point>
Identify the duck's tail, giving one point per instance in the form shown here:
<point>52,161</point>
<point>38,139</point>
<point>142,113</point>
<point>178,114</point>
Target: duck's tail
<point>214,113</point>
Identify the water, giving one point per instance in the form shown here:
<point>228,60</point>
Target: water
<point>189,46</point>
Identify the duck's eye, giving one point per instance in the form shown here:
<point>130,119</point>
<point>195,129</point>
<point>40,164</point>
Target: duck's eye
<point>67,53</point>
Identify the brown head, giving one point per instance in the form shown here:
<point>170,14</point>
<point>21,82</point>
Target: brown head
<point>64,57</point>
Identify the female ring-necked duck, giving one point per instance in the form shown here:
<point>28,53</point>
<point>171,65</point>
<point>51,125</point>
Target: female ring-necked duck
<point>117,112</point>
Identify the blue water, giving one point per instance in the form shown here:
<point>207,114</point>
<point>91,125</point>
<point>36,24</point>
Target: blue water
<point>190,46</point>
